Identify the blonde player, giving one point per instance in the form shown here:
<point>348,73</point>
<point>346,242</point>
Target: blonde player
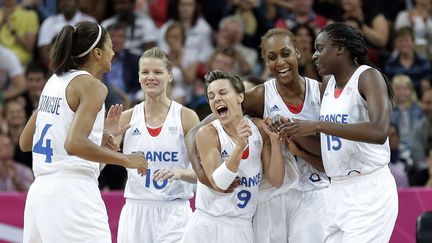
<point>157,204</point>
<point>65,133</point>
<point>231,146</point>
<point>361,204</point>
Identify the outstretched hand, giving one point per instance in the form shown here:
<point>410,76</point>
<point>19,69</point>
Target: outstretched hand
<point>112,120</point>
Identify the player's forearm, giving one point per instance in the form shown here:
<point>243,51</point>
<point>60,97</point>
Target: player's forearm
<point>312,159</point>
<point>190,143</point>
<point>276,168</point>
<point>311,144</point>
<point>188,175</point>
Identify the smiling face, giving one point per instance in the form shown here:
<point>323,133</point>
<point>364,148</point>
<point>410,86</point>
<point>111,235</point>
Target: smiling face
<point>154,76</point>
<point>281,58</point>
<point>325,55</point>
<point>224,101</point>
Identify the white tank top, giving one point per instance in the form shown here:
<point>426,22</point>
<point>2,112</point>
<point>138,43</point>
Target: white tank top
<point>53,122</point>
<point>243,201</point>
<point>166,150</point>
<point>344,157</point>
<point>308,178</point>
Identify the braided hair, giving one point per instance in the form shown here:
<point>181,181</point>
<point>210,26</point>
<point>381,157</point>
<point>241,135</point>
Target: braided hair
<point>344,35</point>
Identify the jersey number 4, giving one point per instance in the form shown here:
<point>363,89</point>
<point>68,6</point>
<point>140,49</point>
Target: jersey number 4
<point>40,149</point>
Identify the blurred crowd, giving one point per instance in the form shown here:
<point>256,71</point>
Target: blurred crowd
<point>200,36</point>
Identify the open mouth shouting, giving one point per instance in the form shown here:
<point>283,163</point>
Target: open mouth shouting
<point>222,111</point>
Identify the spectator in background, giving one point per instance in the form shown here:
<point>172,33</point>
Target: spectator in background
<point>419,19</point>
<point>374,26</point>
<point>427,108</point>
<point>411,122</point>
<point>156,9</point>
<point>95,8</point>
<point>255,23</point>
<point>122,79</point>
<point>16,119</point>
<point>12,80</point>
<point>18,30</point>
<point>407,61</point>
<point>398,162</point>
<point>198,31</point>
<point>44,8</point>
<point>302,13</point>
<point>69,14</point>
<point>230,34</point>
<point>185,63</point>
<point>141,32</point>
<point>36,77</point>
<point>305,39</point>
<point>13,175</point>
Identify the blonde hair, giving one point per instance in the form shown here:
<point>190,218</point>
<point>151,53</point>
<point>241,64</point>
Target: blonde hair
<point>402,79</point>
<point>157,54</point>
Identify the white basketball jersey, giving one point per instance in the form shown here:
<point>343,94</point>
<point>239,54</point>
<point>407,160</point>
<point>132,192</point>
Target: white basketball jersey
<point>166,150</point>
<point>308,177</point>
<point>243,201</point>
<point>343,157</point>
<point>53,122</point>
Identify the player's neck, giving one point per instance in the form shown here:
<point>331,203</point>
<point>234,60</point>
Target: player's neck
<point>343,76</point>
<point>156,105</point>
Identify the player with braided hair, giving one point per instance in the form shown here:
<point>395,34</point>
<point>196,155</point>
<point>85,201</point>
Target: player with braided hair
<point>361,204</point>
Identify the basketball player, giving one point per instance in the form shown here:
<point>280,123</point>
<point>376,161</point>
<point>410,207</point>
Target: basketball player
<point>361,204</point>
<point>157,204</point>
<point>64,202</point>
<point>231,146</point>
<point>287,213</point>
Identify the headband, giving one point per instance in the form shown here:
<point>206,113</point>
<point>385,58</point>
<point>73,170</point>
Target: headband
<point>94,44</point>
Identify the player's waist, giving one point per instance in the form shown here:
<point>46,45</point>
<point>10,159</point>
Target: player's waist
<point>159,203</point>
<point>229,221</point>
<point>357,177</point>
<point>68,174</point>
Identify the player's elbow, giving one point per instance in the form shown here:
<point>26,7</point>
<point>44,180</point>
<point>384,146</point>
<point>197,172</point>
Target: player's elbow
<point>278,182</point>
<point>72,146</point>
<point>24,144</point>
<point>380,137</point>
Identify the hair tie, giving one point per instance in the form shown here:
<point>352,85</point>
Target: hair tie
<point>94,43</point>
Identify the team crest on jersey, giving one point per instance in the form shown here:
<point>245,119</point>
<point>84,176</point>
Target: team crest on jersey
<point>136,131</point>
<point>172,130</point>
<point>257,143</point>
<point>224,154</point>
<point>274,108</point>
<point>349,90</point>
